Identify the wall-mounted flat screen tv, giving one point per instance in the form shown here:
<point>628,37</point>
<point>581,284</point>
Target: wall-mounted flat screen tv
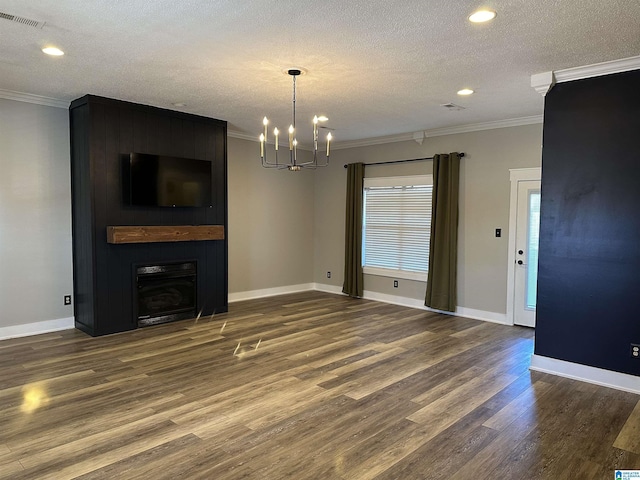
<point>162,181</point>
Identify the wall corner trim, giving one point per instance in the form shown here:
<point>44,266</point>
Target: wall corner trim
<point>36,328</point>
<point>543,82</point>
<point>584,373</point>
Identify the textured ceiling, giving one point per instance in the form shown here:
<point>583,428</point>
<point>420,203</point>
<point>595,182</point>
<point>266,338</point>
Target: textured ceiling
<point>376,68</point>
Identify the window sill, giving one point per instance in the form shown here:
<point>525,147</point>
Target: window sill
<point>387,272</point>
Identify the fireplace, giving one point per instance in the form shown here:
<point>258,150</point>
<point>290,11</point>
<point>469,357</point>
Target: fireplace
<point>165,292</point>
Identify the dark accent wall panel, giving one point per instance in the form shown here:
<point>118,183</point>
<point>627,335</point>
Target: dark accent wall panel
<point>589,262</point>
<point>82,226</point>
<point>102,131</point>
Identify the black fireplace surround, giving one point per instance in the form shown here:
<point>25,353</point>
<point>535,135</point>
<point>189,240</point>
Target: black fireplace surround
<point>165,292</point>
<point>104,273</point>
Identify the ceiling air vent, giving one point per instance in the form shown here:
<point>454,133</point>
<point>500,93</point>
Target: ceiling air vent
<point>22,20</point>
<point>452,107</point>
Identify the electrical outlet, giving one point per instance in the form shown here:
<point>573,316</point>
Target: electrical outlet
<point>328,274</point>
<point>635,350</point>
<point>67,299</point>
<point>395,284</point>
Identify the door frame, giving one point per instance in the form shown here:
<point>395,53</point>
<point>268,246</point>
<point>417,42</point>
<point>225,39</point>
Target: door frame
<point>516,175</point>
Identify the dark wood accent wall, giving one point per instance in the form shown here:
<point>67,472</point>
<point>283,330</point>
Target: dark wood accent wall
<point>102,131</point>
<point>589,266</point>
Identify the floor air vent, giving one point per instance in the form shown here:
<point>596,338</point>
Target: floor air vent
<point>22,20</point>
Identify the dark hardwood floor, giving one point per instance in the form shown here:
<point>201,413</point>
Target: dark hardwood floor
<point>305,386</point>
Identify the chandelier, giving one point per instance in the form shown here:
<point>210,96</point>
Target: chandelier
<point>292,162</point>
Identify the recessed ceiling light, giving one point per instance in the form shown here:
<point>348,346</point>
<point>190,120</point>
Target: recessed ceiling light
<point>465,91</point>
<point>54,51</point>
<point>482,16</point>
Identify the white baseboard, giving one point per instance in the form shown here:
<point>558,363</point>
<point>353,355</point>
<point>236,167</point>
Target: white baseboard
<point>584,373</point>
<point>322,287</point>
<point>36,328</point>
<point>472,313</point>
<point>269,292</point>
<point>394,299</point>
<point>483,315</point>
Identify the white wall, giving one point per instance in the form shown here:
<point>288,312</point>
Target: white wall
<point>35,216</point>
<point>270,223</point>
<point>484,206</point>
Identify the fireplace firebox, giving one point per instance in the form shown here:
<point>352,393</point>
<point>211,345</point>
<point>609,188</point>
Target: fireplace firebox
<point>165,292</point>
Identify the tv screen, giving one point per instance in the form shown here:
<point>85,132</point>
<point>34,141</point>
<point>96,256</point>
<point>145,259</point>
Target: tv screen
<point>162,181</point>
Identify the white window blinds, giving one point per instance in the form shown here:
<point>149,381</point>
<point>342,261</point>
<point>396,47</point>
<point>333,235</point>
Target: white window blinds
<point>397,226</point>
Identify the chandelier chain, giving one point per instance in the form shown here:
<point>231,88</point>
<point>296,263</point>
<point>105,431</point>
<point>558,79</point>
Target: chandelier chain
<point>294,101</point>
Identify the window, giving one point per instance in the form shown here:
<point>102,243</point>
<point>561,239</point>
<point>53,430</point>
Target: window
<point>396,226</point>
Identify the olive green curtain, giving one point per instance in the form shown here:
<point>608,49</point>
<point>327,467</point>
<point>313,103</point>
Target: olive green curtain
<point>443,247</point>
<point>353,278</point>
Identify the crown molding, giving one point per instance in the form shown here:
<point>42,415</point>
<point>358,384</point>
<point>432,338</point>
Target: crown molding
<point>438,132</point>
<point>598,69</point>
<point>476,127</point>
<point>543,82</point>
<point>31,98</point>
<point>241,135</point>
<point>366,142</point>
<point>418,137</point>
<point>412,136</point>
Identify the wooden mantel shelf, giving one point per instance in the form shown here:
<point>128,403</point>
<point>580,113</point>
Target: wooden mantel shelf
<point>174,233</point>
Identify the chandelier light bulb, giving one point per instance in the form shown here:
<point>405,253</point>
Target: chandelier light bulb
<point>290,137</point>
<point>265,122</point>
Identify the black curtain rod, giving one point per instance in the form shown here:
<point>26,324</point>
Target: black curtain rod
<point>403,161</point>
